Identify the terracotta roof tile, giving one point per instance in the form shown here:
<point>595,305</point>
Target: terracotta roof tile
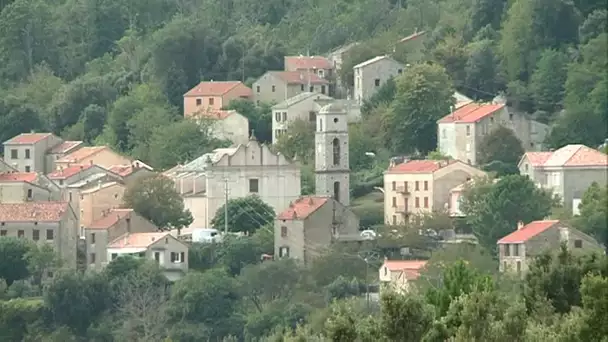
<point>69,171</point>
<point>81,154</point>
<point>471,113</point>
<point>28,138</point>
<point>296,77</point>
<point>568,156</point>
<point>65,146</point>
<point>537,158</point>
<point>213,88</point>
<point>400,265</point>
<point>28,177</point>
<point>420,166</point>
<point>111,219</point>
<point>302,208</point>
<point>306,62</point>
<point>33,211</point>
<point>528,231</point>
<point>137,240</point>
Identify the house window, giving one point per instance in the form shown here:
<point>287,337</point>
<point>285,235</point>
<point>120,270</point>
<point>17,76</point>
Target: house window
<point>28,169</point>
<point>400,71</point>
<point>114,256</point>
<point>92,258</point>
<point>157,256</point>
<point>50,234</point>
<point>61,182</point>
<point>426,185</point>
<point>311,89</point>
<point>320,125</point>
<point>29,193</point>
<point>3,232</point>
<point>337,191</point>
<point>336,149</point>
<point>405,186</point>
<point>312,116</point>
<point>394,186</point>
<point>14,154</point>
<point>322,89</point>
<point>182,256</point>
<point>277,116</point>
<point>394,202</point>
<point>377,82</point>
<point>426,202</point>
<point>274,89</point>
<point>257,89</point>
<point>35,235</point>
<point>526,167</point>
<point>284,252</point>
<point>70,196</point>
<point>405,204</point>
<point>416,186</point>
<point>491,120</point>
<point>417,202</point>
<point>254,185</point>
<point>199,102</point>
<point>511,117</point>
<point>20,233</point>
<point>394,220</point>
<point>507,249</point>
<point>283,231</point>
<point>177,258</point>
<point>27,153</point>
<point>468,130</point>
<point>93,238</point>
<point>284,116</point>
<point>516,249</point>
<point>385,270</point>
<point>301,87</point>
<point>578,243</point>
<point>211,101</point>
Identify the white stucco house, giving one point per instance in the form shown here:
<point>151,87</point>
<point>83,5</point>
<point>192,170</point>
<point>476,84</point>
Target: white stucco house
<point>242,170</point>
<point>227,125</point>
<point>370,75</point>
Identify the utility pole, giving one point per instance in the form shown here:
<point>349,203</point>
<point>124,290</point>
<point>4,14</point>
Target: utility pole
<point>308,70</point>
<point>225,207</point>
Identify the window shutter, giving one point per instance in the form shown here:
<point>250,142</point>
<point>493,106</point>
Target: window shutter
<point>182,257</point>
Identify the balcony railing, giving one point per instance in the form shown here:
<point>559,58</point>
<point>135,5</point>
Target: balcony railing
<point>403,190</point>
<point>401,209</point>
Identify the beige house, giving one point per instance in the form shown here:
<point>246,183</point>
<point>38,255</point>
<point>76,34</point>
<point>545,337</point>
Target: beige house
<point>519,248</point>
<point>227,125</point>
<point>114,223</point>
<point>372,74</point>
<point>130,173</point>
<point>568,171</point>
<point>19,187</point>
<point>54,223</point>
<point>318,65</point>
<point>170,253</point>
<point>27,152</point>
<point>422,186</point>
<point>213,96</point>
<point>61,150</point>
<point>397,275</point>
<point>97,200</point>
<point>304,106</point>
<point>241,170</point>
<point>4,167</point>
<point>310,224</point>
<point>278,86</point>
<point>77,173</point>
<point>460,133</point>
<point>98,155</point>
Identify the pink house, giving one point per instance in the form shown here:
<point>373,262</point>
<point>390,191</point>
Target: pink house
<point>213,96</point>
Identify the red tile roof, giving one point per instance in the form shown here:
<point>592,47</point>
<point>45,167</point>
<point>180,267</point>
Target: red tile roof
<point>297,77</point>
<point>306,62</point>
<point>399,265</point>
<point>537,158</point>
<point>65,146</point>
<point>528,231</point>
<point>69,171</point>
<point>137,240</point>
<point>420,166</point>
<point>471,113</point>
<point>302,208</point>
<point>28,138</point>
<point>111,219</point>
<point>29,177</point>
<point>213,88</point>
<point>82,153</point>
<point>33,211</point>
<point>123,170</point>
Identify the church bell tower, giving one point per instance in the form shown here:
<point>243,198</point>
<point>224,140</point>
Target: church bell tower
<point>332,172</point>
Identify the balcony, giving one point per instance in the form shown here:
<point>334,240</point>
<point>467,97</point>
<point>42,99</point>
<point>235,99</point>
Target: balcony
<point>402,190</point>
<point>401,209</point>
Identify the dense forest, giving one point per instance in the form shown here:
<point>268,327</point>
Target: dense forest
<point>114,72</point>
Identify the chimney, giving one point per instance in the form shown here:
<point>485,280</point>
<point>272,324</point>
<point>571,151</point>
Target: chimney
<point>291,204</point>
<point>295,216</point>
<point>310,201</point>
<point>520,225</point>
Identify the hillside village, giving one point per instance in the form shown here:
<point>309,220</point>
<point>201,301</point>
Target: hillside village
<point>383,188</point>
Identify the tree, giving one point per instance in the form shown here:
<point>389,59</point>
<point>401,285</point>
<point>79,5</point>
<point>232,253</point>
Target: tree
<point>482,70</point>
<point>298,141</point>
<point>405,318</point>
<point>154,197</point>
<point>13,262</point>
<point>424,95</point>
<point>493,210</point>
<point>547,81</point>
<point>41,260</point>
<point>594,25</point>
<point>594,293</point>
<point>501,145</point>
<point>245,214</point>
<point>593,213</point>
<point>259,116</point>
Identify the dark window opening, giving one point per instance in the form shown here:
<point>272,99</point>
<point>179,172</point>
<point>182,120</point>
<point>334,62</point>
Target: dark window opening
<point>336,151</point>
<point>337,191</point>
